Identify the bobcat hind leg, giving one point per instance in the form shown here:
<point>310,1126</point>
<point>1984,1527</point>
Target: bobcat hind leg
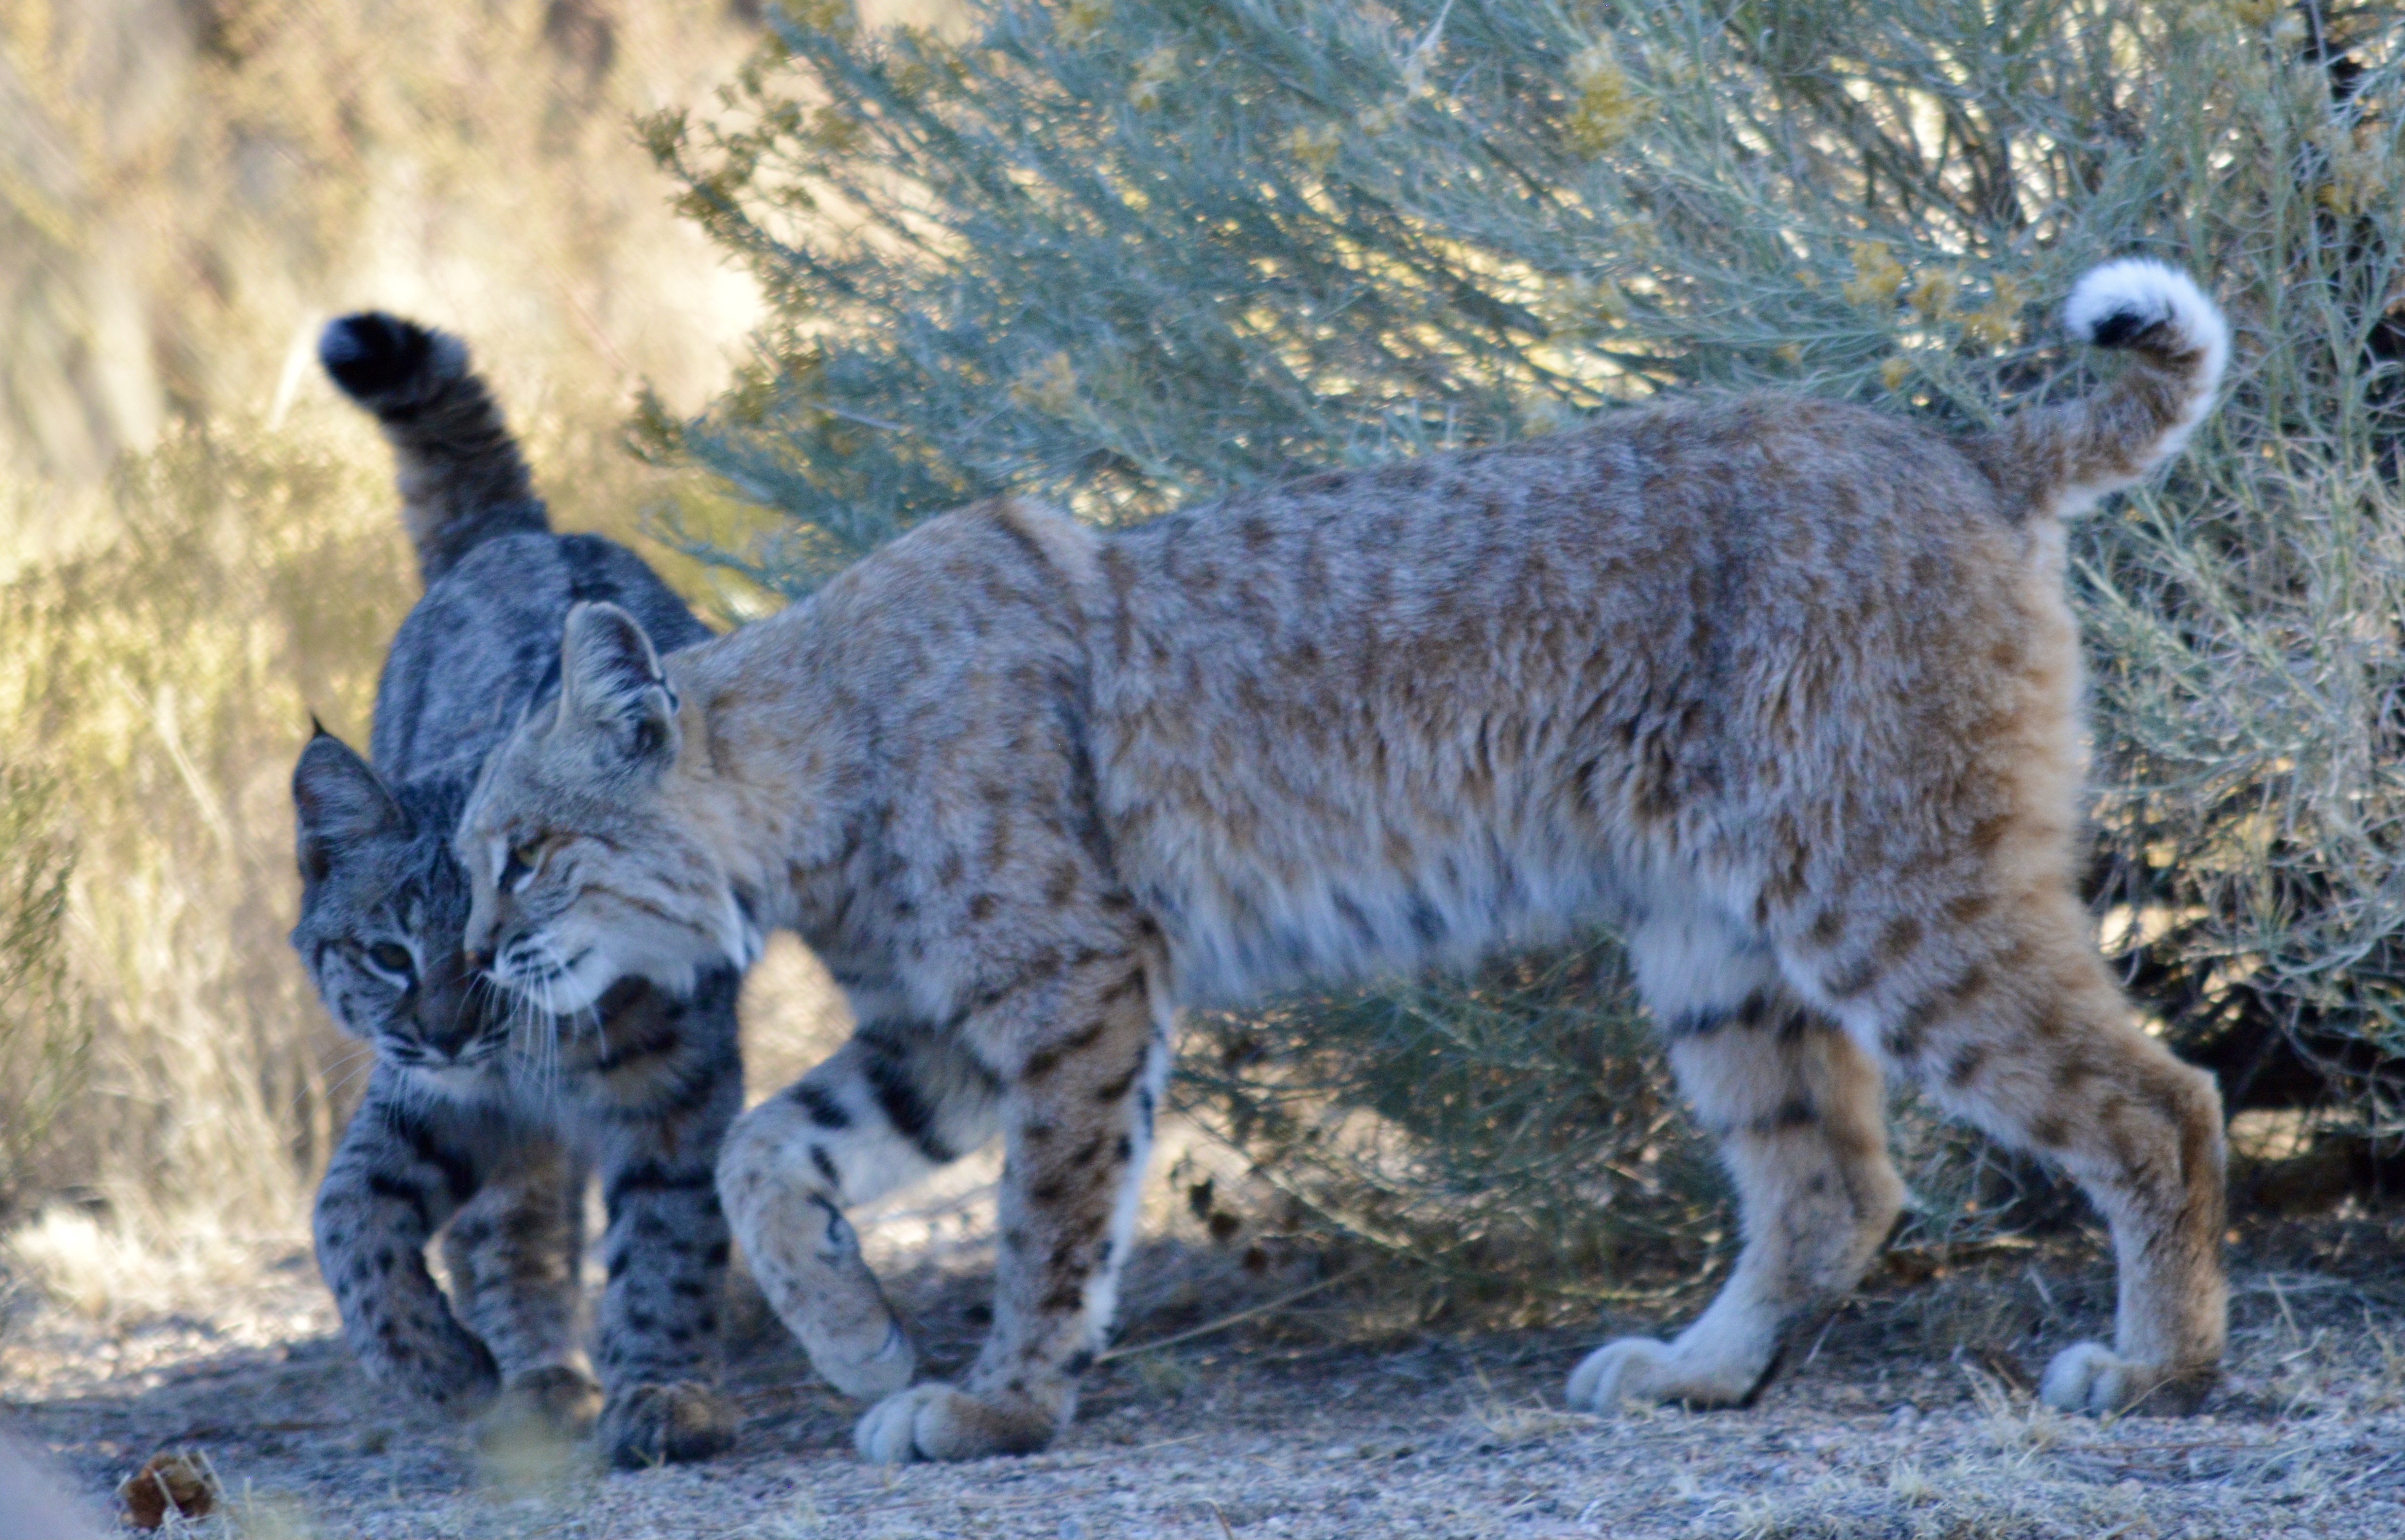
<point>2025,1035</point>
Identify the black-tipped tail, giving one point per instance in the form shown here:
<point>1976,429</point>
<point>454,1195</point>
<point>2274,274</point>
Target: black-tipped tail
<point>2061,459</point>
<point>383,362</point>
<point>461,479</point>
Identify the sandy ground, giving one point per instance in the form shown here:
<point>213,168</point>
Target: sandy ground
<point>1908,1417</point>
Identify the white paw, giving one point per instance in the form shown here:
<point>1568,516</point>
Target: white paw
<point>936,1422</point>
<point>1620,1372</point>
<point>889,1435</point>
<point>2090,1377</point>
<point>878,1375</point>
<point>1642,1370</point>
<point>2085,1377</point>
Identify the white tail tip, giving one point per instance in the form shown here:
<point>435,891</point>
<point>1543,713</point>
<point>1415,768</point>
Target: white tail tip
<point>2119,304</point>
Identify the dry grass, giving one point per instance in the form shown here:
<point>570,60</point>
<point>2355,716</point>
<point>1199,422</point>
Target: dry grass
<point>200,185</point>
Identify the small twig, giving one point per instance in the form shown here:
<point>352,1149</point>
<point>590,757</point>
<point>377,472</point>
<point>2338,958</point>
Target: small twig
<point>2280,1298</point>
<point>1226,1320</point>
<point>2044,1294</point>
<point>1225,1532</point>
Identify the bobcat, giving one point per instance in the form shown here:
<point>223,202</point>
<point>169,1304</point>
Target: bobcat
<point>475,1113</point>
<point>1786,690</point>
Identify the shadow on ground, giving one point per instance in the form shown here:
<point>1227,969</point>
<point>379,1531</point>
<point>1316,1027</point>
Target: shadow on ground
<point>1907,1415</point>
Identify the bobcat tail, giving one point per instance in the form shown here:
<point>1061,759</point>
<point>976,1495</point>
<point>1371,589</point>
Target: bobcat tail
<point>2061,459</point>
<point>461,480</point>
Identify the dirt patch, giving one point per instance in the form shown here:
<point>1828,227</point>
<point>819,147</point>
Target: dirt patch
<point>1908,1416</point>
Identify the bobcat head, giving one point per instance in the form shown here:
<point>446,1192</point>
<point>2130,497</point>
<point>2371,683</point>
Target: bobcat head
<point>586,863</point>
<point>383,904</point>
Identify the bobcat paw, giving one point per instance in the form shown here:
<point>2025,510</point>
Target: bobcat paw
<point>883,1371</point>
<point>554,1404</point>
<point>450,1369</point>
<point>2090,1377</point>
<point>665,1424</point>
<point>1639,1369</point>
<point>938,1423</point>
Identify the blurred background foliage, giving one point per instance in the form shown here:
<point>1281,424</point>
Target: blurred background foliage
<point>1134,253</point>
<point>198,544</point>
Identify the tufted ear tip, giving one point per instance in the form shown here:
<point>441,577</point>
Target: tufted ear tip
<point>611,682</point>
<point>340,800</point>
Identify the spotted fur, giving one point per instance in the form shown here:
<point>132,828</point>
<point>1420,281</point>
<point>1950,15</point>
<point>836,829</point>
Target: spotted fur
<point>478,1117</point>
<point>1786,690</point>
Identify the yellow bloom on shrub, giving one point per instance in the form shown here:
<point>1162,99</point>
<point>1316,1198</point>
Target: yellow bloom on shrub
<point>834,132</point>
<point>1876,274</point>
<point>1893,372</point>
<point>1383,117</point>
<point>1934,296</point>
<point>2361,173</point>
<point>1606,107</point>
<point>1316,143</point>
<point>828,16</point>
<point>1156,69</point>
<point>1049,388</point>
<point>925,65</point>
<point>1993,324</point>
<point>1582,306</point>
<point>1082,20</point>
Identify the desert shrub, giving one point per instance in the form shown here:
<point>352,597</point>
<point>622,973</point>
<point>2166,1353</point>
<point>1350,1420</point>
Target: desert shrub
<point>43,1035</point>
<point>1517,1125</point>
<point>1135,254</point>
<point>169,674</point>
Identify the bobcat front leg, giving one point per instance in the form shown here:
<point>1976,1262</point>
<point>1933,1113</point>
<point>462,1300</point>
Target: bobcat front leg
<point>1077,1118</point>
<point>896,1102</point>
<point>402,1168</point>
<point>670,1082</point>
<point>512,1254</point>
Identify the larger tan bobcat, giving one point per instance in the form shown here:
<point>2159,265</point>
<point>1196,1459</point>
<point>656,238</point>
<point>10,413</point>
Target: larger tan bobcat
<point>1785,689</point>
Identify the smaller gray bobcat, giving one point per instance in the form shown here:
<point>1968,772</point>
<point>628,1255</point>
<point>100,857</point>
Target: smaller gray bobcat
<point>1785,689</point>
<point>488,1117</point>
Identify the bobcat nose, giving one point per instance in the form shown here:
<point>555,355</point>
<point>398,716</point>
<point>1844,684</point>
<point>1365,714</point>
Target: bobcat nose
<point>448,1040</point>
<point>477,960</point>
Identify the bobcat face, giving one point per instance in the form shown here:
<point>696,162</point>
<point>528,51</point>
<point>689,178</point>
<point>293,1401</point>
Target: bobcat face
<point>382,907</point>
<point>580,875</point>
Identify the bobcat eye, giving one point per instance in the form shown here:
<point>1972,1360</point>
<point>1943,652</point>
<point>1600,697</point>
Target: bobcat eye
<point>519,868</point>
<point>392,957</point>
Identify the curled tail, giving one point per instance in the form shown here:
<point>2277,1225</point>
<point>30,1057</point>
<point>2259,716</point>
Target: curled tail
<point>461,480</point>
<point>2061,459</point>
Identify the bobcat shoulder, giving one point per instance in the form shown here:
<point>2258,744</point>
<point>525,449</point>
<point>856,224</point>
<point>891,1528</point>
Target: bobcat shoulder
<point>1786,690</point>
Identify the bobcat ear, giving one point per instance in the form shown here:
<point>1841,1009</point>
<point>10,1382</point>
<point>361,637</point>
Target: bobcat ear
<point>340,801</point>
<point>611,683</point>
